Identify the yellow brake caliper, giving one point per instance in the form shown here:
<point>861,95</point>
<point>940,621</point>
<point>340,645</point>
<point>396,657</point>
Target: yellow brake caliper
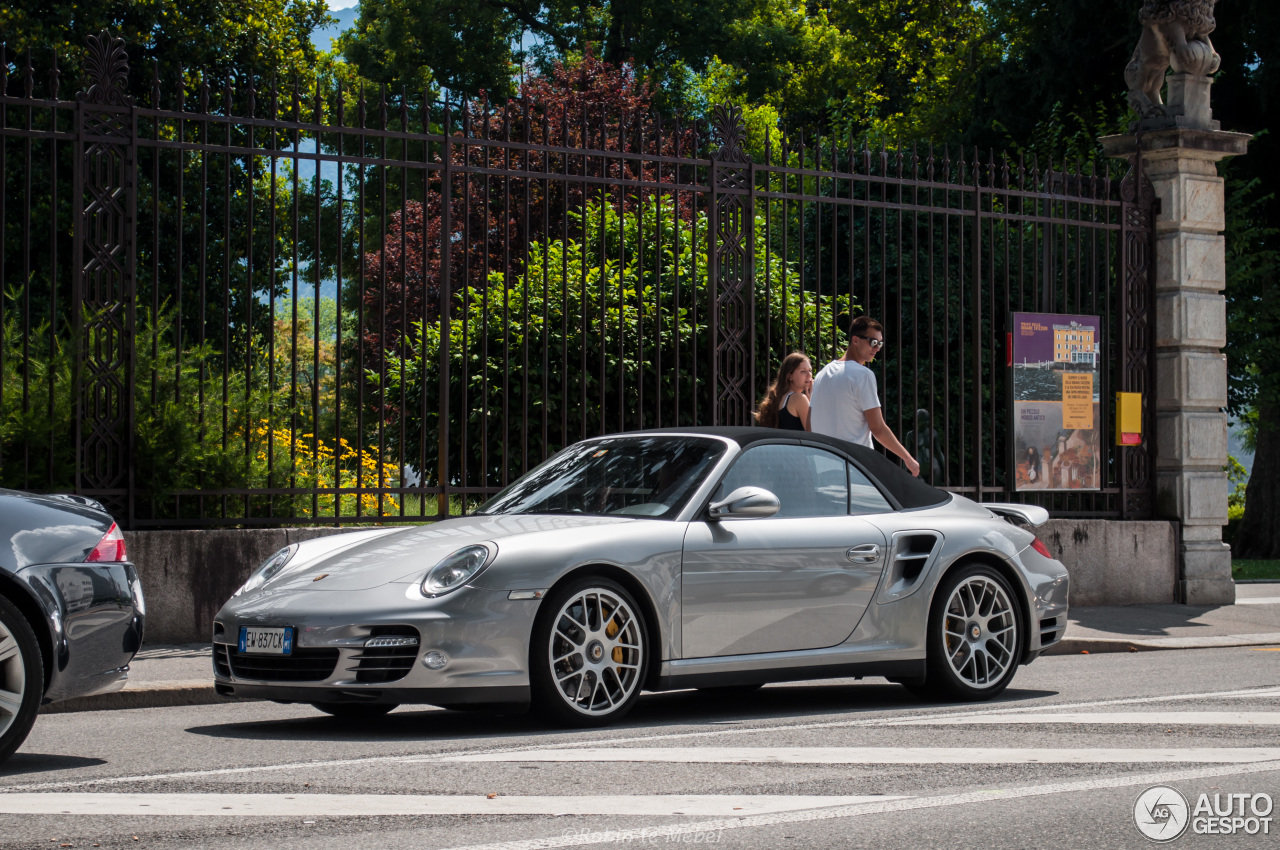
<point>611,631</point>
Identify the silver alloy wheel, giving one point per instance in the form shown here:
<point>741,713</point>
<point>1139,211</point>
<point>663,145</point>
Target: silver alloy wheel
<point>596,652</point>
<point>980,631</point>
<point>13,678</point>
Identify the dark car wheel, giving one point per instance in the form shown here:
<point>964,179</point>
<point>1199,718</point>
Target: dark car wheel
<point>588,654</point>
<point>21,678</point>
<point>354,710</point>
<point>975,637</point>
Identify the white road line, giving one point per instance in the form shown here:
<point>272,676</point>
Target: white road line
<point>673,832</point>
<point>575,739</point>
<point>1260,600</point>
<point>1137,718</point>
<point>376,805</point>
<point>886,755</point>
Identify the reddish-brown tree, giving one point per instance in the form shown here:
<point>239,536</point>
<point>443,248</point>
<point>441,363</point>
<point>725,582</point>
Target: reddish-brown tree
<point>513,170</point>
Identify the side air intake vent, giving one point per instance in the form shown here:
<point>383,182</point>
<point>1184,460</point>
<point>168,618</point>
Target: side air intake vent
<point>1051,630</point>
<point>913,552</point>
<point>387,656</point>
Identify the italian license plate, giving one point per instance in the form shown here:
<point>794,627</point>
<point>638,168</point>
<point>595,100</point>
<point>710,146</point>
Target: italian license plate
<point>266,641</point>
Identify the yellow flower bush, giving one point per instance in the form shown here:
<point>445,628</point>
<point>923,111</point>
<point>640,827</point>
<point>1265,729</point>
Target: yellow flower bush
<point>337,476</point>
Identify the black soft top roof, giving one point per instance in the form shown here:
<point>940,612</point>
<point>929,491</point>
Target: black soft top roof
<point>909,491</point>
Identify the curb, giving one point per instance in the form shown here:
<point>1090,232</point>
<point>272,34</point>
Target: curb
<point>1076,646</point>
<point>157,695</point>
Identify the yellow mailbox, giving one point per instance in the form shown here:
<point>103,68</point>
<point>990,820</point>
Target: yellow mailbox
<point>1128,419</point>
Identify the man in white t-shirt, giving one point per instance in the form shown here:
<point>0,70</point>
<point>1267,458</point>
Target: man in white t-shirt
<point>845,403</point>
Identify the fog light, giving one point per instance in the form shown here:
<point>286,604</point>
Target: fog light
<point>435,660</point>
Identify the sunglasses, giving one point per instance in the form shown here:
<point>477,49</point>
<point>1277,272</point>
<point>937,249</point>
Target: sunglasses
<point>876,344</point>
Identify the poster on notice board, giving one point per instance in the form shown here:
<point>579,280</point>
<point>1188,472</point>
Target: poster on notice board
<point>1057,432</point>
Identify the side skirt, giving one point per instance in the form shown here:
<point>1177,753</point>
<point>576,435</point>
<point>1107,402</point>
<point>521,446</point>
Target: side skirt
<point>857,670</point>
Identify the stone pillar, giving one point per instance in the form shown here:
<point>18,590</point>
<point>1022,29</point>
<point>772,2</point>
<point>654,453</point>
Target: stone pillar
<point>1191,326</point>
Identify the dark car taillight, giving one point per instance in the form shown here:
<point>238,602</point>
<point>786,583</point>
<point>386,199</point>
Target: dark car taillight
<point>110,547</point>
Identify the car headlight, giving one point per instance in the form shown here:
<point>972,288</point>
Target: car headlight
<point>455,571</point>
<point>268,569</point>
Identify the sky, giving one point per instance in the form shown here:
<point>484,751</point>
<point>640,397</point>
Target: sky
<point>342,4</point>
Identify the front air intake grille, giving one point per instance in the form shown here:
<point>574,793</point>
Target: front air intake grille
<point>387,655</point>
<point>304,665</point>
<point>1050,631</point>
<point>221,663</point>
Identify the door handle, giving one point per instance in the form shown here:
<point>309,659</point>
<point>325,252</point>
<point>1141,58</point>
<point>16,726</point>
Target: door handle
<point>867,553</point>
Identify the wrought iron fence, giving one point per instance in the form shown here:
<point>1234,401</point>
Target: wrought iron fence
<point>254,304</point>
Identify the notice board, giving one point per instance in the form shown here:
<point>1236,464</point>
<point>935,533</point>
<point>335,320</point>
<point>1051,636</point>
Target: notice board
<point>1057,432</point>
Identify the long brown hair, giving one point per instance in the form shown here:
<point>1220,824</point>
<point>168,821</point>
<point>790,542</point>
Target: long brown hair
<point>767,412</point>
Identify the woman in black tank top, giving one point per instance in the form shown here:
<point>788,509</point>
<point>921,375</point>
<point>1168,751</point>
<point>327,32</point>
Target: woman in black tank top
<point>786,404</point>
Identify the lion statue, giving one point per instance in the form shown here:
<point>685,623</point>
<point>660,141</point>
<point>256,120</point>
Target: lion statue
<point>1175,33</point>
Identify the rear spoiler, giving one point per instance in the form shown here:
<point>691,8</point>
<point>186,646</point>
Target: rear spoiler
<point>1030,514</point>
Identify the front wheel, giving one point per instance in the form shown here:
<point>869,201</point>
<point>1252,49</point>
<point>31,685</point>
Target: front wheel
<point>21,678</point>
<point>588,653</point>
<point>974,638</point>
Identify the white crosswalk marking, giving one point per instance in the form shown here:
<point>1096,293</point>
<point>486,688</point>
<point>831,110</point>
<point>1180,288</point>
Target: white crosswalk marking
<point>671,833</point>
<point>1143,718</point>
<point>375,805</point>
<point>927,716</point>
<point>885,755</point>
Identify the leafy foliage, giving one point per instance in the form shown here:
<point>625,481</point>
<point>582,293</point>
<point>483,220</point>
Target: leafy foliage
<point>1253,313</point>
<point>593,328</point>
<point>883,66</point>
<point>590,104</point>
<point>1064,58</point>
<point>174,38</point>
<point>196,427</point>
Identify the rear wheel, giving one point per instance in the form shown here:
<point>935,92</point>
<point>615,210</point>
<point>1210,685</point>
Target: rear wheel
<point>975,637</point>
<point>354,710</point>
<point>21,678</point>
<point>588,653</point>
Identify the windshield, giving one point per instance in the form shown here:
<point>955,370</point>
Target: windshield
<point>624,476</point>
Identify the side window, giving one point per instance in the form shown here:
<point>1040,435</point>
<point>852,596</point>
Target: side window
<point>808,482</point>
<point>864,498</point>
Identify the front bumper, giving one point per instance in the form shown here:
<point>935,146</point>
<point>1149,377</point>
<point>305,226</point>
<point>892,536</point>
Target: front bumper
<point>483,635</point>
<point>502,695</point>
<point>1050,586</point>
<point>95,614</point>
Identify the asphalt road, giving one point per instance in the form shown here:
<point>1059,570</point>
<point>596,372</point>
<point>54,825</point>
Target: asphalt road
<point>1059,761</point>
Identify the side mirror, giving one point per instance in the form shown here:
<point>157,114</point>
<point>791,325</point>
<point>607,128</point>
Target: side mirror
<point>745,503</point>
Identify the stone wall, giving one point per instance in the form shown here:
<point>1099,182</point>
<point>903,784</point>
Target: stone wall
<point>1116,563</point>
<point>187,575</point>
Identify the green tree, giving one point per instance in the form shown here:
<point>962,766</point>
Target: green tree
<point>224,38</point>
<point>888,66</point>
<point>468,47</point>
<point>1253,322</point>
<point>1057,57</point>
<point>590,327</point>
<point>1247,98</point>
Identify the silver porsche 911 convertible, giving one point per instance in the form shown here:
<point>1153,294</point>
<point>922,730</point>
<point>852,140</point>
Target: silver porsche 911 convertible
<point>655,560</point>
